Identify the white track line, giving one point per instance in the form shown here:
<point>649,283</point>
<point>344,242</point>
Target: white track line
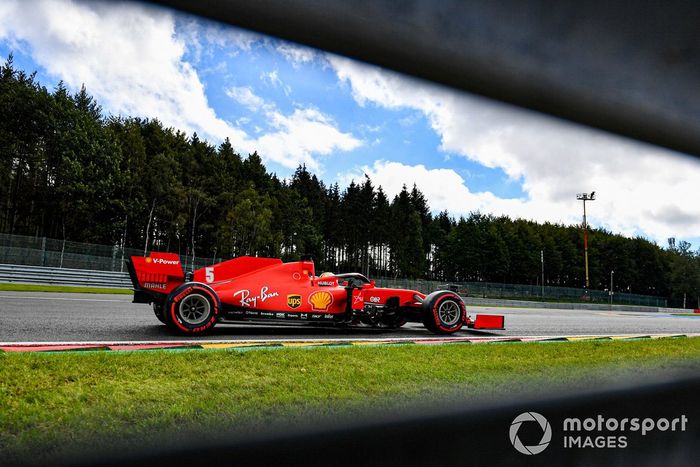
<point>65,299</point>
<point>347,339</point>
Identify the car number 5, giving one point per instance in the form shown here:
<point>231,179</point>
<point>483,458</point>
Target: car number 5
<point>209,274</point>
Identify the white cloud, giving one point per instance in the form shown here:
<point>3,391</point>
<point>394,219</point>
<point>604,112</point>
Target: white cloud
<point>445,189</point>
<point>296,54</point>
<point>272,78</point>
<point>299,135</point>
<point>126,54</point>
<point>295,138</point>
<point>640,188</point>
<point>230,38</point>
<point>201,36</point>
<point>131,58</point>
<point>244,96</point>
<point>371,128</point>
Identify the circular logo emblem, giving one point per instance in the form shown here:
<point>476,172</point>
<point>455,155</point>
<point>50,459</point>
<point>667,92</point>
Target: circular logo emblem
<point>546,433</point>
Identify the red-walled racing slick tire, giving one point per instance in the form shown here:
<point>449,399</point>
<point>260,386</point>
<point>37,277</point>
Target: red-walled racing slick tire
<point>159,311</point>
<point>444,312</point>
<point>192,308</point>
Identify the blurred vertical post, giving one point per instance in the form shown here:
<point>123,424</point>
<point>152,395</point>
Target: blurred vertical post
<point>542,263</point>
<point>585,197</point>
<point>612,273</point>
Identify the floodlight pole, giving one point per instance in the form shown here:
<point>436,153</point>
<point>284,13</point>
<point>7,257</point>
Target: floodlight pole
<point>585,197</point>
<point>612,273</point>
<point>542,263</point>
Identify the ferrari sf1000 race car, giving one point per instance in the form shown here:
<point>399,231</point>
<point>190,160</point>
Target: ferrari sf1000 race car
<point>266,289</point>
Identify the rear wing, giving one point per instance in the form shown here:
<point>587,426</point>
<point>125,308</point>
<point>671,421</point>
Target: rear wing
<point>154,276</point>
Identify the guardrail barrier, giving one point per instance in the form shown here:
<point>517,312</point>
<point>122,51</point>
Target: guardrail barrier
<point>21,274</point>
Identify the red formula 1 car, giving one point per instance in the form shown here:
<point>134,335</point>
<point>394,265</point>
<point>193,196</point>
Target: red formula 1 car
<point>266,289</point>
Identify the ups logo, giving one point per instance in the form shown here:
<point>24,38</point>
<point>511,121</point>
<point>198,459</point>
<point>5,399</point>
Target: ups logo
<point>293,301</point>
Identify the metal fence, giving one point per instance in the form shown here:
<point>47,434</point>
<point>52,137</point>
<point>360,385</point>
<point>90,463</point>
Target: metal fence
<point>14,273</point>
<point>40,251</point>
<point>48,252</point>
<point>527,292</point>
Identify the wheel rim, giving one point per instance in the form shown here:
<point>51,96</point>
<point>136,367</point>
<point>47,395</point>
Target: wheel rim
<point>449,312</point>
<point>194,309</point>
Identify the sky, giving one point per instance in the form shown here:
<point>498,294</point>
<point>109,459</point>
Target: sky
<point>344,119</point>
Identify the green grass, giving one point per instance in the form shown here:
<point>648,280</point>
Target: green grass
<point>50,402</point>
<point>695,315</point>
<point>61,288</point>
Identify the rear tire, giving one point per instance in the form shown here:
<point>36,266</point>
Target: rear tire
<point>443,312</point>
<point>159,312</point>
<point>192,308</point>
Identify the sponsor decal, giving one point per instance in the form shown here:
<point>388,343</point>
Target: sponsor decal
<point>181,295</point>
<point>359,298</point>
<point>280,315</point>
<point>162,261</point>
<point>374,299</point>
<point>320,301</point>
<point>292,315</point>
<point>326,283</point>
<point>155,285</point>
<point>304,316</point>
<point>316,316</point>
<point>148,259</point>
<point>296,276</point>
<point>293,301</point>
<point>328,316</point>
<point>252,301</point>
<point>267,314</point>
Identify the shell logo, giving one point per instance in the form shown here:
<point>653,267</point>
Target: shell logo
<point>320,301</point>
<point>148,259</point>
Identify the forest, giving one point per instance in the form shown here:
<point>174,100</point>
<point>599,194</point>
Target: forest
<point>68,171</point>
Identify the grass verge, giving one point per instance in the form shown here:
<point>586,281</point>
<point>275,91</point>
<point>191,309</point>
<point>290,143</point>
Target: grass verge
<point>51,402</point>
<point>62,288</point>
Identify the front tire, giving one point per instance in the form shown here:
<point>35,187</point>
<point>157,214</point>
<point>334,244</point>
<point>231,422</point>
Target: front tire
<point>443,312</point>
<point>193,308</point>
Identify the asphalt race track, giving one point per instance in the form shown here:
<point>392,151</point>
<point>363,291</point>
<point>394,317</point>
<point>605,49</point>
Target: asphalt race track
<point>54,317</point>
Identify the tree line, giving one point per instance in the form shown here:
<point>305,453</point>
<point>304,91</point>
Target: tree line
<point>68,171</point>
